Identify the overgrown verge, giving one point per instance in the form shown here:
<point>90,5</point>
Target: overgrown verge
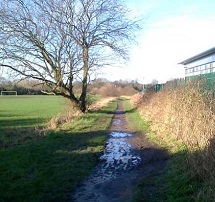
<point>150,187</point>
<point>184,121</point>
<point>49,169</point>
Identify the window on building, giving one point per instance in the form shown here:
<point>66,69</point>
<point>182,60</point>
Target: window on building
<point>207,66</point>
<point>195,73</point>
<point>207,71</point>
<point>202,67</point>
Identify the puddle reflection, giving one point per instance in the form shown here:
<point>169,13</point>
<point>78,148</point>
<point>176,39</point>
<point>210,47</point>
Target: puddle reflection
<point>117,159</point>
<point>117,155</point>
<point>118,122</point>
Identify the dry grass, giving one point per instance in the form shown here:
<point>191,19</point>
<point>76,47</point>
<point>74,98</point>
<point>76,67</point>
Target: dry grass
<point>188,114</point>
<point>103,102</point>
<point>62,118</point>
<point>71,113</point>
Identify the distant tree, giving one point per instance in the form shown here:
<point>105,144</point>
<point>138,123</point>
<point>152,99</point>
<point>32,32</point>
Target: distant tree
<point>2,80</point>
<point>154,81</point>
<point>59,42</point>
<point>138,87</point>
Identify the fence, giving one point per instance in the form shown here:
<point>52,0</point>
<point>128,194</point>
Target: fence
<point>207,81</point>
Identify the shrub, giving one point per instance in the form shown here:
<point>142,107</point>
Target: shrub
<point>188,114</point>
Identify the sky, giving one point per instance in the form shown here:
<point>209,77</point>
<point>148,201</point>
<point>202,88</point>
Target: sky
<point>172,31</point>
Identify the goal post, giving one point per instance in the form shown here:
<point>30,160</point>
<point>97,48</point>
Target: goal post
<point>8,92</point>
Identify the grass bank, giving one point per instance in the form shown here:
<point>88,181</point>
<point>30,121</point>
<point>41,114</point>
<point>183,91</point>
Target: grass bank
<point>49,169</point>
<point>183,121</point>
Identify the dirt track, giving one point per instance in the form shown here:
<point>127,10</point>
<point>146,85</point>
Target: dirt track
<point>128,158</point>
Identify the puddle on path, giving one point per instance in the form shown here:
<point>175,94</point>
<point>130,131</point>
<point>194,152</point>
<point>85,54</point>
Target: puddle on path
<point>107,181</point>
<point>117,160</point>
<point>117,155</point>
<point>120,167</point>
<point>118,122</point>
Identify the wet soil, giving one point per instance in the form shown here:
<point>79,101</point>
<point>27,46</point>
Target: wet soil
<point>128,158</point>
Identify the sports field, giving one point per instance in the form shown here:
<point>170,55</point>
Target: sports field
<point>20,115</point>
<point>28,111</point>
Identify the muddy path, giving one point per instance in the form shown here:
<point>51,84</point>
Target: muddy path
<point>128,157</point>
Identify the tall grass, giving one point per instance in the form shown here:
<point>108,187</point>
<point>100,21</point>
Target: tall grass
<point>187,116</point>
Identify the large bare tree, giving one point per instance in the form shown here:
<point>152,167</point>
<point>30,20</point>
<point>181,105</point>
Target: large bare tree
<point>58,42</point>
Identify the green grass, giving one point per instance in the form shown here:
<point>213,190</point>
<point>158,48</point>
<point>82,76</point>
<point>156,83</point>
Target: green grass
<point>181,184</point>
<point>19,115</point>
<point>50,168</point>
<point>28,111</point>
<point>135,120</point>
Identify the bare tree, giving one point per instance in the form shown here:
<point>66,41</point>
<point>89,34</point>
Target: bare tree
<point>35,45</point>
<point>58,42</point>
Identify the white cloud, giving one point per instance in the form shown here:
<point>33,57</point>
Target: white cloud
<point>166,41</point>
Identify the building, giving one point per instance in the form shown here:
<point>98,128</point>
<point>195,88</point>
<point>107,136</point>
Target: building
<point>202,64</point>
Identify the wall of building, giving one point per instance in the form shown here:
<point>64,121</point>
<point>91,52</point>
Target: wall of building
<point>203,66</point>
<point>205,60</point>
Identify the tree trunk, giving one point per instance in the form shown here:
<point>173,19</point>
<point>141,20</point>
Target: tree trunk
<point>84,82</point>
<point>75,104</point>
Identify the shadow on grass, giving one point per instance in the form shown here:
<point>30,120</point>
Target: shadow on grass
<point>174,180</point>
<point>198,174</point>
<point>9,115</point>
<point>50,168</point>
<point>189,177</point>
<point>21,122</point>
<point>19,131</point>
<point>152,182</point>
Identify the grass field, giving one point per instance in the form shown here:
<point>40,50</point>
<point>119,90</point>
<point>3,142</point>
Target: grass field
<point>48,169</point>
<point>28,111</point>
<point>20,115</point>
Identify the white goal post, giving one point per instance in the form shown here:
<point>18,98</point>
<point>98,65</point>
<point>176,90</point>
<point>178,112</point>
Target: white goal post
<point>8,92</point>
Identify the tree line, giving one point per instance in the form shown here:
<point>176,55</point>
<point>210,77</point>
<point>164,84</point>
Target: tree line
<point>100,86</point>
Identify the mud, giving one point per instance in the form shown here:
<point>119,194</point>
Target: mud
<point>128,157</point>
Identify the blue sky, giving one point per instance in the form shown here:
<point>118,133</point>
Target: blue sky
<point>173,30</point>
